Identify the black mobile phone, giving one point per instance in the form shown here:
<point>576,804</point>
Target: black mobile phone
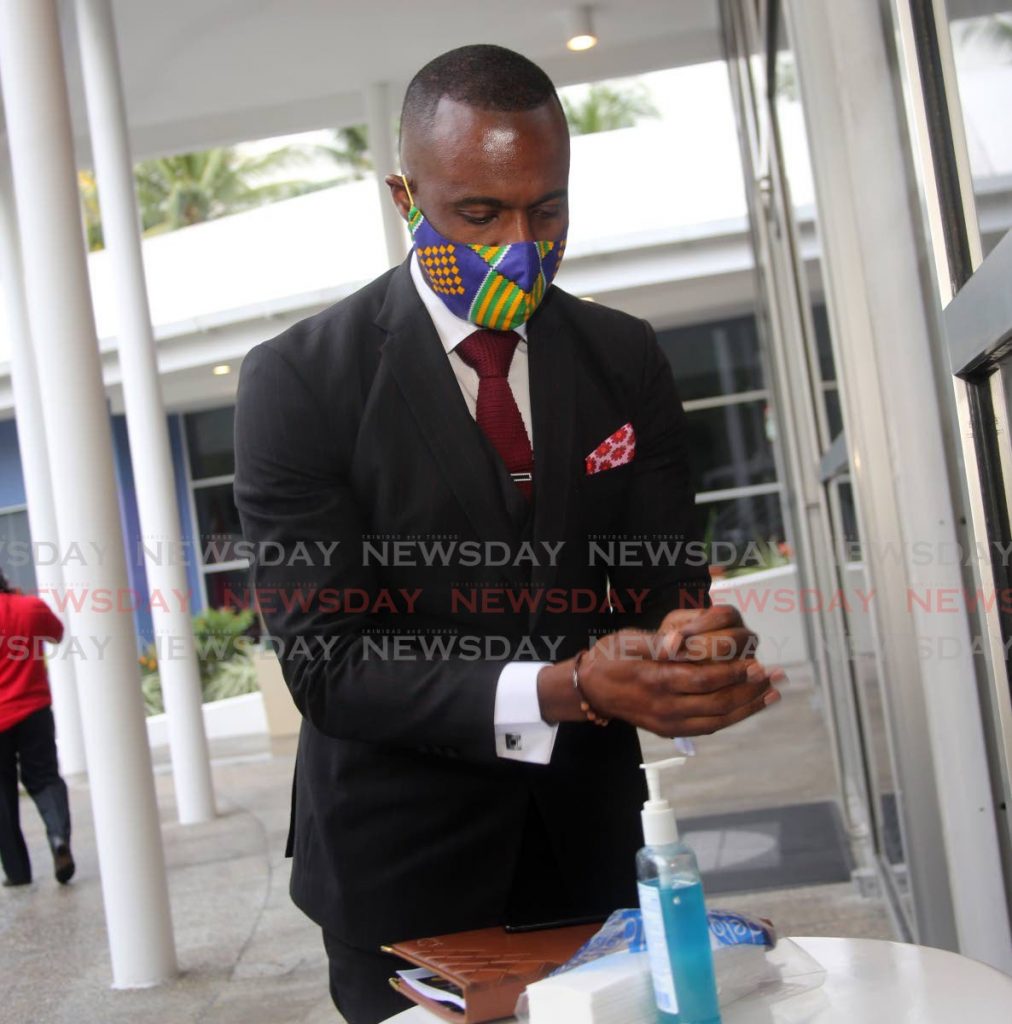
<point>542,925</point>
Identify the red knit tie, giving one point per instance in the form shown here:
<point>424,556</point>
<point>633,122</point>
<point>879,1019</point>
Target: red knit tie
<point>489,353</point>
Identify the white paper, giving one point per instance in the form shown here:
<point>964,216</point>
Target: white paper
<point>417,978</point>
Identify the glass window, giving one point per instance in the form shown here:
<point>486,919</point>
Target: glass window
<point>217,522</point>
<point>847,523</point>
<point>209,442</point>
<point>711,359</point>
<point>800,192</point>
<point>20,571</point>
<point>718,369</point>
<point>981,32</point>
<point>827,369</point>
<point>834,416</point>
<point>823,342</point>
<point>228,588</point>
<point>740,521</point>
<point>729,446</point>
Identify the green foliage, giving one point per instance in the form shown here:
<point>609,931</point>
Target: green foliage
<point>225,668</point>
<point>995,30</point>
<point>762,554</point>
<point>151,690</point>
<point>349,150</point>
<point>88,191</point>
<point>189,188</point>
<point>233,679</point>
<point>215,632</point>
<point>176,191</point>
<point>606,107</point>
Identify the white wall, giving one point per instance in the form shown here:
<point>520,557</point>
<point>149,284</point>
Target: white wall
<point>234,716</point>
<point>772,605</point>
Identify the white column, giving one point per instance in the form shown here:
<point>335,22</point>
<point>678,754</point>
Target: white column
<point>899,417</point>
<point>380,123</point>
<point>150,454</point>
<point>35,471</point>
<point>134,888</point>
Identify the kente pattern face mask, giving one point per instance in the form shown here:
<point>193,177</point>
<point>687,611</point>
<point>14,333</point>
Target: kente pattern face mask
<point>493,286</point>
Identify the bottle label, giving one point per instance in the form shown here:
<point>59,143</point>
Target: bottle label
<point>657,948</point>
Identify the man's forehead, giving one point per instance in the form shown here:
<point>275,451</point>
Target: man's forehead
<point>457,124</point>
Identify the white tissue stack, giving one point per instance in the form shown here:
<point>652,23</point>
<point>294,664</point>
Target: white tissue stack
<point>616,989</point>
<point>619,989</point>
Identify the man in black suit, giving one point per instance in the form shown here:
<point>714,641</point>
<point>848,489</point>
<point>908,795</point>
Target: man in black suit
<point>451,521</point>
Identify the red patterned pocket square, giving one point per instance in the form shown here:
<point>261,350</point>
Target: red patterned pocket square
<point>613,451</point>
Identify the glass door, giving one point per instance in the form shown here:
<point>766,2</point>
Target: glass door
<point>962,57</point>
<point>819,508</point>
<point>862,705</point>
<point>978,328</point>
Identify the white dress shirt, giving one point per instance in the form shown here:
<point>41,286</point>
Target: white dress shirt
<point>520,731</point>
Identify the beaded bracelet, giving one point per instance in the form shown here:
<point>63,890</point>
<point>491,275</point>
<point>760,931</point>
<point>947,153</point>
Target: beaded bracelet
<point>592,715</point>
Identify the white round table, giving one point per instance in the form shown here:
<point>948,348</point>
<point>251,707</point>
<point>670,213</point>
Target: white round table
<point>869,981</point>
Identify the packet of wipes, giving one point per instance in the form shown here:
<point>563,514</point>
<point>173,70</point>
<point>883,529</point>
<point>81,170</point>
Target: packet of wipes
<point>623,932</point>
<point>608,978</point>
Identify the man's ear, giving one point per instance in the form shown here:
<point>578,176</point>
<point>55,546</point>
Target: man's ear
<point>399,194</point>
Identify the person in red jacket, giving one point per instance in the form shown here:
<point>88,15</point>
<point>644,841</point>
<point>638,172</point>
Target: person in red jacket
<point>28,735</point>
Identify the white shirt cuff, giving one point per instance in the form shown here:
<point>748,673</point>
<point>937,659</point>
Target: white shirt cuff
<point>520,731</point>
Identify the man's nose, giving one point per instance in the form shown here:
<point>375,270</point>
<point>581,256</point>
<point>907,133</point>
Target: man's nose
<point>517,228</point>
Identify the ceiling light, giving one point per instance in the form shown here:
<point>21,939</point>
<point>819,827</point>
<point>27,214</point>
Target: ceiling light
<point>221,369</point>
<point>580,34</point>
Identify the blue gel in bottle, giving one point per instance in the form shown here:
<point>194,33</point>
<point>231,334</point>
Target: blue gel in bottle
<point>674,916</point>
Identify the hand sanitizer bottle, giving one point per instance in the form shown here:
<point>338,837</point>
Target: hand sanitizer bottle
<point>674,914</point>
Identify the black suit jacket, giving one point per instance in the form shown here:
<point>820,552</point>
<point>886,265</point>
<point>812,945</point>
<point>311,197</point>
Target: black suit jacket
<point>351,425</point>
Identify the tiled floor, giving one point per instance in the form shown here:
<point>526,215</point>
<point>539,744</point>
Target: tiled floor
<point>247,956</point>
<point>783,755</point>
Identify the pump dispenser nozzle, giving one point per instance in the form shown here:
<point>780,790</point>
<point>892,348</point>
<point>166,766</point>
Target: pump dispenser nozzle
<point>659,824</point>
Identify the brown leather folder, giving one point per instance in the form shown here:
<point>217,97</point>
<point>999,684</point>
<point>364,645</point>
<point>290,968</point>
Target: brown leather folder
<point>490,966</point>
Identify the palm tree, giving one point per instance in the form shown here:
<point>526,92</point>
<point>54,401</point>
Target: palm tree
<point>996,30</point>
<point>606,107</point>
<point>89,210</point>
<point>350,149</point>
<point>176,191</point>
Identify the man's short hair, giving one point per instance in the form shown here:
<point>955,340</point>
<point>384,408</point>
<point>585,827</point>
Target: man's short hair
<point>484,76</point>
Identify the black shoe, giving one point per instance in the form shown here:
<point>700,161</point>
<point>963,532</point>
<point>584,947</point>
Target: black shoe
<point>9,884</point>
<point>63,863</point>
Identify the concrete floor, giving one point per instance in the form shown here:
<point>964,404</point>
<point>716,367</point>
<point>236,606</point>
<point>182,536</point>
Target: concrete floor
<point>781,756</point>
<point>247,956</point>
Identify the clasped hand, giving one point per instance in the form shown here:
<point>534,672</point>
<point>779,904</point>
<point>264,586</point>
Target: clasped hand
<point>696,675</point>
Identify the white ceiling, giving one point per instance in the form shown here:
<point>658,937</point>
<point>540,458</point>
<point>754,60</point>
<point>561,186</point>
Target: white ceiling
<point>206,72</point>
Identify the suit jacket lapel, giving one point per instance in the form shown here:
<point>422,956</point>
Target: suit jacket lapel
<point>551,354</point>
<point>423,373</point>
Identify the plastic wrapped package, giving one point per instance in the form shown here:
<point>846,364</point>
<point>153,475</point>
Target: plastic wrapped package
<point>608,978</point>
